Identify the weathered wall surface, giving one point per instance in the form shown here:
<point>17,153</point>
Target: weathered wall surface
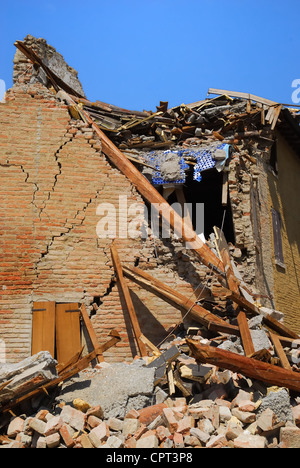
<point>284,198</point>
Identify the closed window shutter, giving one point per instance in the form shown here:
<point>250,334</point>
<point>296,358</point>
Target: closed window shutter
<point>43,327</point>
<point>278,250</point>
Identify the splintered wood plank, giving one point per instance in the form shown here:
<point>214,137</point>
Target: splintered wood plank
<point>171,380</point>
<point>225,189</point>
<point>223,250</point>
<point>268,373</point>
<point>245,334</point>
<point>196,311</point>
<point>68,334</point>
<point>129,304</point>
<point>280,352</point>
<point>43,327</point>
<point>90,331</point>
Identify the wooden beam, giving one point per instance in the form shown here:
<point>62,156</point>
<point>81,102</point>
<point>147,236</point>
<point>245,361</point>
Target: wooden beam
<point>171,379</point>
<point>68,373</point>
<point>196,311</point>
<point>247,96</point>
<point>150,345</point>
<point>225,189</point>
<point>280,352</point>
<point>249,367</point>
<point>223,250</point>
<point>245,334</point>
<point>126,293</point>
<point>91,331</point>
<point>63,367</point>
<point>279,327</point>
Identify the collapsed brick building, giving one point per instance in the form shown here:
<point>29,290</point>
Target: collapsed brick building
<point>55,174</point>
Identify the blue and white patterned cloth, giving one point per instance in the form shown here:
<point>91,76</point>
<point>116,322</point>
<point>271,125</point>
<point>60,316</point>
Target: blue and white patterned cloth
<point>204,157</point>
<point>156,159</point>
<point>205,160</point>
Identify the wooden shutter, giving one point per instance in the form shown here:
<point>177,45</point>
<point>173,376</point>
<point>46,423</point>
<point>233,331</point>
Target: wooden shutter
<point>43,327</point>
<point>278,250</point>
<point>68,336</point>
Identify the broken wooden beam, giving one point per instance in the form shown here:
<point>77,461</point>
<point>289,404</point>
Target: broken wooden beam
<point>65,374</point>
<point>249,367</point>
<point>129,304</point>
<point>280,328</point>
<point>245,334</point>
<point>196,311</point>
<point>224,254</point>
<point>91,332</point>
<point>280,352</point>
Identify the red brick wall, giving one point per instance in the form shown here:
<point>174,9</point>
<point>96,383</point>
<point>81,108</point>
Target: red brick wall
<point>53,176</point>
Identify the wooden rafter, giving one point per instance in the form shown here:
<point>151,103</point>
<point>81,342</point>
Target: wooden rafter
<point>268,373</point>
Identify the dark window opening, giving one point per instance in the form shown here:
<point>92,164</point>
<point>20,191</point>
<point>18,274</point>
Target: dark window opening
<point>209,193</point>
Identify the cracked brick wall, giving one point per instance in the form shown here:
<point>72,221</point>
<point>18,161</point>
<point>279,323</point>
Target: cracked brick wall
<point>53,176</point>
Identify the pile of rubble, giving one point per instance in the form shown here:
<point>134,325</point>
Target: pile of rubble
<point>170,401</point>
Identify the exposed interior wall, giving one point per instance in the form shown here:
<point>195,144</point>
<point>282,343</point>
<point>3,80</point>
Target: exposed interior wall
<point>284,198</point>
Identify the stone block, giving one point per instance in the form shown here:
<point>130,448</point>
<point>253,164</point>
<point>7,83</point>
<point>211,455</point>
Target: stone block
<point>217,441</point>
<point>114,442</point>
<point>73,417</point>
<point>178,440</point>
<point>150,441</point>
<point>37,425</point>
<point>290,437</point>
<point>115,424</point>
<point>170,420</point>
<point>93,421</point>
<point>53,440</point>
<point>130,426</point>
<point>53,426</point>
<point>247,440</point>
<point>234,429</point>
<point>15,427</point>
<point>266,420</point>
<point>99,434</point>
<point>185,424</point>
<point>244,416</point>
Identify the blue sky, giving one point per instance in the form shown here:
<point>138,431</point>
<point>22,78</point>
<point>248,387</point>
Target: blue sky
<point>135,53</point>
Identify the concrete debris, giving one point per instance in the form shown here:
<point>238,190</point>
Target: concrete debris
<point>35,371</point>
<point>133,388</point>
